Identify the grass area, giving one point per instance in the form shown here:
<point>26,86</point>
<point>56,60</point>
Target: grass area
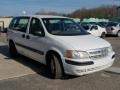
<point>3,37</point>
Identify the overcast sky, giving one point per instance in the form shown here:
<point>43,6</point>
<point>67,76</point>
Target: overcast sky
<point>16,7</point>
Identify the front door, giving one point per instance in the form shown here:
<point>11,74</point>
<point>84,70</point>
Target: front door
<point>36,40</point>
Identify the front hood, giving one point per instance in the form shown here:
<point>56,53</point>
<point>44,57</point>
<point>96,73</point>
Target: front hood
<point>83,42</point>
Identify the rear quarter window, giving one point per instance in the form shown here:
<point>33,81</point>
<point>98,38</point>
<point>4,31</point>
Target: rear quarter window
<point>12,23</point>
<point>19,24</point>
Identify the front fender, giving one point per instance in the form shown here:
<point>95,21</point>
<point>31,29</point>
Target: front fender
<point>60,52</point>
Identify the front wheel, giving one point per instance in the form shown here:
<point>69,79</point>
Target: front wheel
<point>55,67</point>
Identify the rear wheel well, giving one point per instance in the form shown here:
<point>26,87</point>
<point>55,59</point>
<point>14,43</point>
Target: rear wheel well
<point>103,34</point>
<point>11,42</point>
<point>12,49</point>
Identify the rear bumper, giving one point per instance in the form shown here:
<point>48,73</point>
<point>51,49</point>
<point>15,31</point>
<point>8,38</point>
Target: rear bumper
<point>83,69</point>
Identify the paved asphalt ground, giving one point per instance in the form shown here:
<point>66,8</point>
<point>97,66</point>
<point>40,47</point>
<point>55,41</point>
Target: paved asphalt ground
<point>25,74</point>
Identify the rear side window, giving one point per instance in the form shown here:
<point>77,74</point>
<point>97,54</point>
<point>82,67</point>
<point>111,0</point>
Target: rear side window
<point>12,23</point>
<point>19,24</point>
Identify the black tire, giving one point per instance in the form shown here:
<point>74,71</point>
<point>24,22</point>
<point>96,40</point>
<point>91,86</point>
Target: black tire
<point>118,34</point>
<point>55,67</point>
<point>103,35</point>
<point>12,50</point>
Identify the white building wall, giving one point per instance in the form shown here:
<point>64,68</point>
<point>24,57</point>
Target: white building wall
<point>6,21</point>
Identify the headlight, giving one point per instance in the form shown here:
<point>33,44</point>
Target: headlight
<point>110,49</point>
<point>76,54</point>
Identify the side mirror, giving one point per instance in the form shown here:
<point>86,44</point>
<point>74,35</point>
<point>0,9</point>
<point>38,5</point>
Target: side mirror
<point>39,33</point>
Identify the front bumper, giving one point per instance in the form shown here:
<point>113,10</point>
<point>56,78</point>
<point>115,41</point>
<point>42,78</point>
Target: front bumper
<point>87,68</point>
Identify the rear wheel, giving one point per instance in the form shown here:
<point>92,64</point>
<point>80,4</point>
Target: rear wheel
<point>55,67</point>
<point>103,35</point>
<point>12,50</point>
<point>118,34</point>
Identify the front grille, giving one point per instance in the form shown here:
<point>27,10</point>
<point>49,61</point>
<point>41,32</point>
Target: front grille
<point>98,54</point>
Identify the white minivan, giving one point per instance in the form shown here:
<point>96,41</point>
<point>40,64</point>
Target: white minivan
<point>59,43</point>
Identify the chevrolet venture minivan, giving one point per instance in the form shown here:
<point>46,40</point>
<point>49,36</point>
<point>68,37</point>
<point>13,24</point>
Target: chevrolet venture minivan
<point>59,43</point>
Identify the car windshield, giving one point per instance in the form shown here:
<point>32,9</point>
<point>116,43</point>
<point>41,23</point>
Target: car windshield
<point>102,24</point>
<point>85,26</point>
<point>112,24</point>
<point>63,27</point>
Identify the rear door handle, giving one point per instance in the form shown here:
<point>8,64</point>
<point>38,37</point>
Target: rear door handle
<point>27,37</point>
<point>23,35</point>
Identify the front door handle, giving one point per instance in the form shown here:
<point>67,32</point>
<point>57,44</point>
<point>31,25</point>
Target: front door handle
<point>27,37</point>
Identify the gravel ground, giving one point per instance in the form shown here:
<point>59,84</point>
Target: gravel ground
<point>40,80</point>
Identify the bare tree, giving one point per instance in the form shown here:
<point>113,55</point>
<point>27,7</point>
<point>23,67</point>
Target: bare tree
<point>100,12</point>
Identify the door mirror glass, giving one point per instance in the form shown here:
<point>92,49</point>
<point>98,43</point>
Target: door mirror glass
<point>38,33</point>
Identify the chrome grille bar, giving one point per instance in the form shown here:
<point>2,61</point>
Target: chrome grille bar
<point>98,53</point>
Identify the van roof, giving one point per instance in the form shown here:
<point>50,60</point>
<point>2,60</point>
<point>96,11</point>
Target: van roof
<point>43,16</point>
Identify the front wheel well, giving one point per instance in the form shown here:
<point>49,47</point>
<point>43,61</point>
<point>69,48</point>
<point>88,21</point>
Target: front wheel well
<point>53,59</point>
<point>59,66</point>
<point>104,32</point>
<point>48,55</point>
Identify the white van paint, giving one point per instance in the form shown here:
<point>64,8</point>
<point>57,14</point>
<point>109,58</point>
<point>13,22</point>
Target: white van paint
<point>79,54</point>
